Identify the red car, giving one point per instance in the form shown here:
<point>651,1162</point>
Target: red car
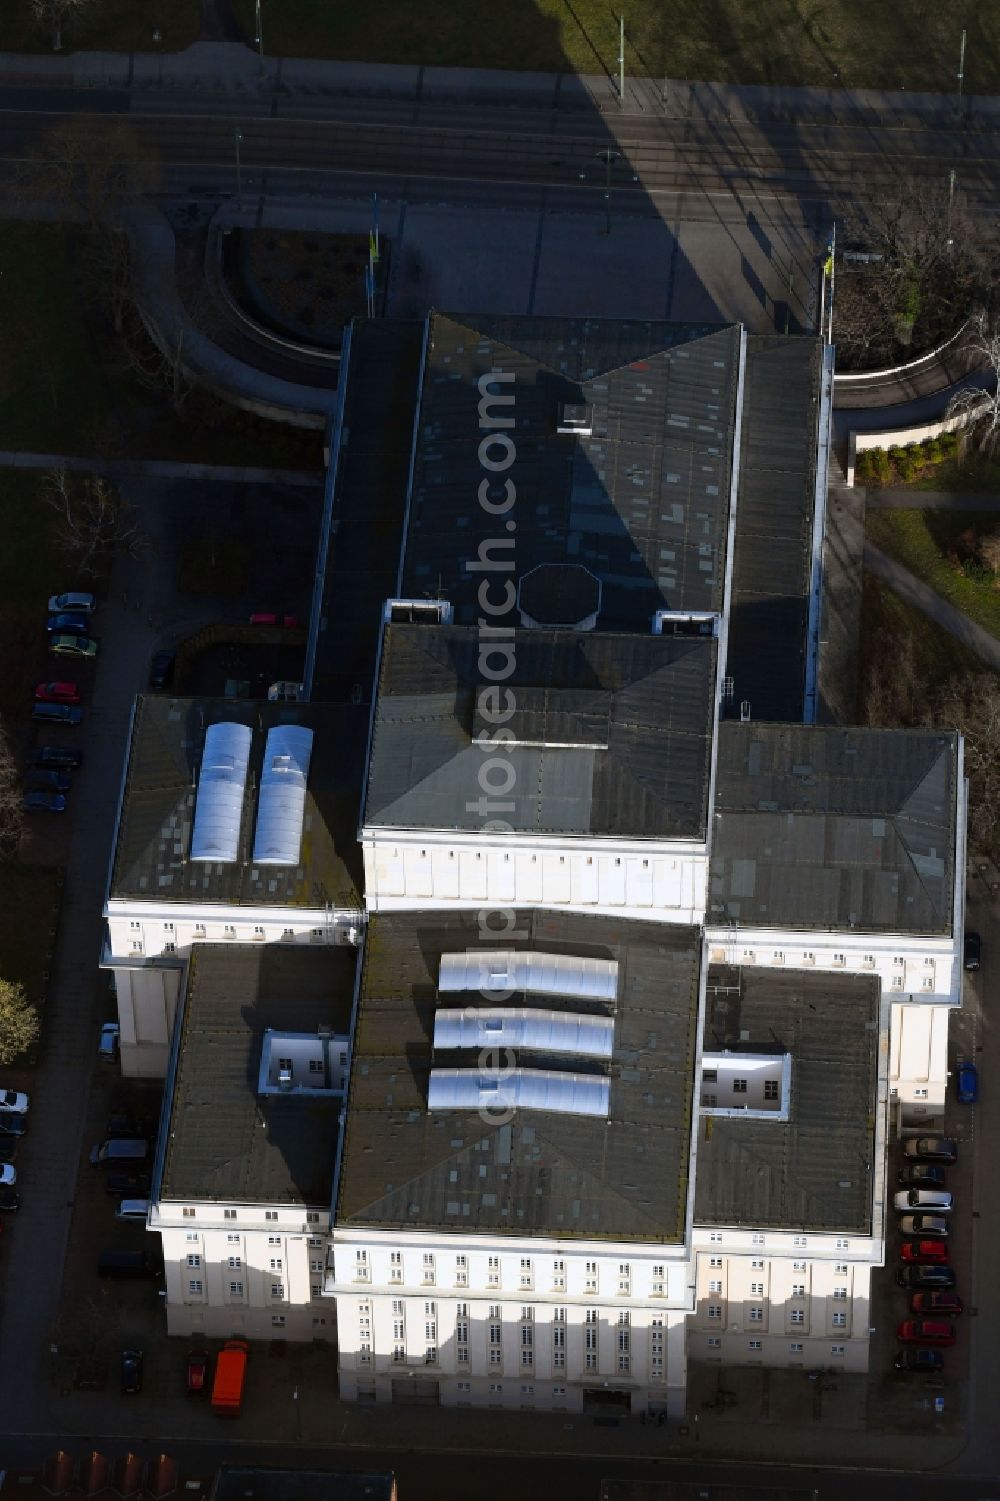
<point>936,1303</point>
<point>57,693</point>
<point>923,1250</point>
<point>197,1373</point>
<point>290,622</point>
<point>926,1332</point>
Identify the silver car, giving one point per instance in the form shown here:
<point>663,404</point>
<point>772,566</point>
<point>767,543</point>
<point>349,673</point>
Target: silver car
<point>924,1200</point>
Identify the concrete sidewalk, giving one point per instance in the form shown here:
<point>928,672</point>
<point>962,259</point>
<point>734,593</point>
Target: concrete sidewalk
<point>234,69</point>
<point>894,499</point>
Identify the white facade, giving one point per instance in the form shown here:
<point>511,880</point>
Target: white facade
<point>535,1323</point>
<point>242,1269</point>
<point>619,878</point>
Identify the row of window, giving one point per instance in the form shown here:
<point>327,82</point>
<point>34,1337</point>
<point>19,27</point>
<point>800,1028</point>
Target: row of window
<point>759,1239</point>
<point>837,961</point>
<point>757,1265</point>
<point>714,1343</point>
<point>798,1289</point>
<point>251,1215</point>
<point>756,1315</point>
<point>526,1276</point>
<point>200,930</point>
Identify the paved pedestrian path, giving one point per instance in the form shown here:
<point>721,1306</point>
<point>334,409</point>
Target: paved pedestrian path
<point>923,598</point>
<point>898,499</point>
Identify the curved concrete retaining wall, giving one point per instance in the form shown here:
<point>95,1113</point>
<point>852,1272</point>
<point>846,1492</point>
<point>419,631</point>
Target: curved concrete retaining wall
<point>858,378</point>
<point>900,436</point>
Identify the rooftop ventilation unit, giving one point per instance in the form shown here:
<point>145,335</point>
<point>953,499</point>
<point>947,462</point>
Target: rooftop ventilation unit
<point>219,805</point>
<point>685,623</point>
<point>418,612</point>
<point>281,808</point>
<point>503,971</point>
<point>521,1027</point>
<point>524,1089</point>
<point>575,419</point>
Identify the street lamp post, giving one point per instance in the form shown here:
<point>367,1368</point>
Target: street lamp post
<point>961,73</point>
<point>608,157</point>
<point>260,37</point>
<point>238,137</point>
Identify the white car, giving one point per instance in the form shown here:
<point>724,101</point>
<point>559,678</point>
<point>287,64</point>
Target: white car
<point>8,1174</point>
<point>79,604</point>
<point>923,1201</point>
<point>12,1099</point>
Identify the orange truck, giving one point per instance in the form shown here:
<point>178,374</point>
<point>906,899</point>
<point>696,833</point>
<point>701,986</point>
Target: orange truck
<point>230,1375</point>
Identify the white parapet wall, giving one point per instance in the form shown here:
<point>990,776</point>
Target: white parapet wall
<point>900,436</point>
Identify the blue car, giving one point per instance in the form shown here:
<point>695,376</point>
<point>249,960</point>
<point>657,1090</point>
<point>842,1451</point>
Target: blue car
<point>968,1083</point>
<point>44,802</point>
<point>68,625</point>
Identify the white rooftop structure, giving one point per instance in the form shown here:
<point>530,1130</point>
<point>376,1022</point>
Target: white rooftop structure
<point>522,1089</point>
<point>282,802</point>
<point>219,805</point>
<point>747,1084</point>
<point>303,1063</point>
<point>521,1027</point>
<point>504,970</point>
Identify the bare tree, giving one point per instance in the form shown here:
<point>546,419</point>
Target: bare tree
<point>52,13</point>
<point>19,1026</point>
<point>93,165</point>
<point>11,808</point>
<point>94,520</point>
<point>981,408</point>
<point>971,703</point>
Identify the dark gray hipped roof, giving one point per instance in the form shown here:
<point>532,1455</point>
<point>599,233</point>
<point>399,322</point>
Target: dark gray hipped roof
<point>615,732</point>
<point>152,857</point>
<point>643,502</point>
<point>624,1178</point>
<point>772,549</point>
<point>225,1142</point>
<point>828,828</point>
<point>813,1171</point>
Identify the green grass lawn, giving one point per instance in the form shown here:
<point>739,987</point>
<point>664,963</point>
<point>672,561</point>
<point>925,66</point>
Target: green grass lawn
<point>973,473</point>
<point>939,548</point>
<point>909,43</point>
<point>65,388</point>
<point>114,25</point>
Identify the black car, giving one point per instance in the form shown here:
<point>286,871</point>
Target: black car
<point>161,670</point>
<point>68,624</point>
<point>56,755</point>
<point>921,1276</point>
<point>10,1199</point>
<point>919,1360</point>
<point>127,1185</point>
<point>931,1149</point>
<point>131,1371</point>
<point>127,1128</point>
<point>973,950</point>
<point>921,1175</point>
<point>12,1124</point>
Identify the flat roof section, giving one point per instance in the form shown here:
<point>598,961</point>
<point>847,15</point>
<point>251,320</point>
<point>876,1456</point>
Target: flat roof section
<point>152,858</point>
<point>813,1171</point>
<point>624,1178</point>
<point>819,827</point>
<point>225,1141</point>
<point>772,551</point>
<point>613,732</point>
<point>640,497</point>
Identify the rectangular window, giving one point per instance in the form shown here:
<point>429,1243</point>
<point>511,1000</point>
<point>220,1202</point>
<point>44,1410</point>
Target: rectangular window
<point>274,1240</point>
<point>758,1240</point>
<point>756,1263</point>
<point>717,1261</point>
<point>770,1089</point>
<point>798,1266</point>
<point>798,1316</point>
<point>800,1240</point>
<point>836,1349</point>
<point>795,1349</point>
<point>315,1266</point>
<point>739,1086</point>
<point>841,1269</point>
<point>188,1214</point>
<point>840,1321</point>
<point>236,1289</point>
<point>229,1214</point>
<point>430,1355</point>
<point>559,1275</point>
<point>277,1289</point>
<point>713,1342</point>
<point>233,1240</point>
<point>715,1286</point>
<point>235,1262</point>
<point>559,1360</point>
<point>277,1321</point>
<point>715,1235</point>
<point>194,1260</point>
<point>276,1264</point>
<point>754,1344</point>
<point>714,1311</point>
<point>270,1214</point>
<point>756,1314</point>
<point>590,1280</point>
<point>798,1289</point>
<point>493,1272</point>
<point>756,1289</point>
<point>843,1245</point>
<point>840,1292</point>
<point>312,1218</point>
<point>624,1363</point>
<point>194,1286</point>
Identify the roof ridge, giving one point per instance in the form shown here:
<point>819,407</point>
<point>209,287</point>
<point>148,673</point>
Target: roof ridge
<point>901,814</point>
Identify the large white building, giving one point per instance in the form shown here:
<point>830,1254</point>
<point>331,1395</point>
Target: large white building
<point>651,966</point>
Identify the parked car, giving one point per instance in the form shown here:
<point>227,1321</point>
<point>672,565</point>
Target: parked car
<point>923,1250</point>
<point>56,713</point>
<point>131,1372</point>
<point>197,1373</point>
<point>73,646</point>
<point>56,755</point>
<point>15,1100</point>
<point>12,1124</point>
<point>8,1175</point>
<point>934,1277</point>
<point>57,693</point>
<point>932,1200</point>
<point>161,670</point>
<point>133,1209</point>
<point>921,1175</point>
<point>127,1185</point>
<point>289,622</point>
<point>44,802</point>
<point>931,1149</point>
<point>972,950</point>
<point>107,1048</point>
<point>924,1224</point>
<point>10,1202</point>
<point>48,781</point>
<point>69,625</point>
<point>926,1332</point>
<point>81,602</point>
<point>936,1303</point>
<point>915,1359</point>
<point>968,1083</point>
